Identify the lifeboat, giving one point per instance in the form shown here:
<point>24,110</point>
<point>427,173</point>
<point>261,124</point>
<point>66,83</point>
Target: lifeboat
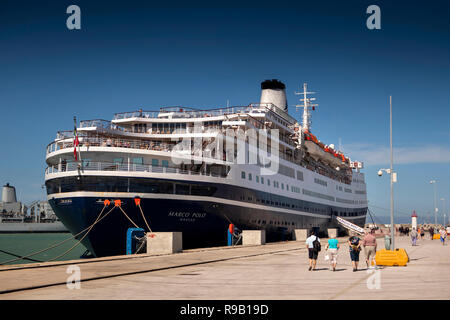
<point>319,151</point>
<point>314,150</point>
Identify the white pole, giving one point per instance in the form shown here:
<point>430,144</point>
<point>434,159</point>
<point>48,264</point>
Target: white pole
<point>444,212</point>
<point>392,182</point>
<point>435,204</point>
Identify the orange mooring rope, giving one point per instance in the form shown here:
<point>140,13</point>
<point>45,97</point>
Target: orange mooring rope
<point>137,201</point>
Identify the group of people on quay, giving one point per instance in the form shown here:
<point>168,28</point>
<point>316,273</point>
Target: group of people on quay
<point>367,244</point>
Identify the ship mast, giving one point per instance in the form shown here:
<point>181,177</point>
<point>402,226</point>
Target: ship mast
<point>306,106</point>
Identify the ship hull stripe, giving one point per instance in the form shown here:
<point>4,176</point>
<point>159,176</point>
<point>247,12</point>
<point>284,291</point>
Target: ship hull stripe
<point>186,197</point>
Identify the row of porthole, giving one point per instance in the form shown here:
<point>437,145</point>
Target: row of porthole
<point>276,184</point>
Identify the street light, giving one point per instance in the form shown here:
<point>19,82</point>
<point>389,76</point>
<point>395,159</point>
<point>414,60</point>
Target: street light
<point>392,174</point>
<point>435,201</point>
<point>393,179</point>
<point>445,216</point>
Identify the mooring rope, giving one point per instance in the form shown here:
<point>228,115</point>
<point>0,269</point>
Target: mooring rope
<point>117,203</point>
<point>143,216</point>
<point>15,255</point>
<point>120,207</point>
<point>56,244</point>
<point>79,241</point>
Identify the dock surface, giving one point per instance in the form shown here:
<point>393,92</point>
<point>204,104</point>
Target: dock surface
<point>275,271</point>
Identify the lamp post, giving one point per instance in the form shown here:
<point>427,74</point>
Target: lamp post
<point>444,212</point>
<point>393,176</point>
<point>435,202</point>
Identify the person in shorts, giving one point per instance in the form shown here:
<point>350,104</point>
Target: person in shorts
<point>312,253</point>
<point>443,233</point>
<point>369,244</point>
<point>332,248</point>
<point>354,247</point>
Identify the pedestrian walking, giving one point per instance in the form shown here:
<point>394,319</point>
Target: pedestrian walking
<point>313,246</point>
<point>355,247</point>
<point>332,248</point>
<point>369,244</point>
<point>414,234</point>
<point>422,233</point>
<point>431,230</point>
<point>443,233</point>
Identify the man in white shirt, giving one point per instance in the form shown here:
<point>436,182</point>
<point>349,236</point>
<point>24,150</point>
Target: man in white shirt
<point>312,253</point>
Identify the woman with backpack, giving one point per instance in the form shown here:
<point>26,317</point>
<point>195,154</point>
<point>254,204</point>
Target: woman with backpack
<point>313,246</point>
<point>355,247</point>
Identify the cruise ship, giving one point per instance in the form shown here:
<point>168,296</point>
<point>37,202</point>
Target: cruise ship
<point>198,171</point>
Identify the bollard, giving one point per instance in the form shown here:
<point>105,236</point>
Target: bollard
<point>164,242</point>
<point>332,232</point>
<point>230,234</point>
<point>132,242</point>
<point>253,237</point>
<point>300,234</point>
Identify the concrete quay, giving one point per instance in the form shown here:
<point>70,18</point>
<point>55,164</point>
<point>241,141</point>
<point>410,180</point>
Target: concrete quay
<point>274,271</point>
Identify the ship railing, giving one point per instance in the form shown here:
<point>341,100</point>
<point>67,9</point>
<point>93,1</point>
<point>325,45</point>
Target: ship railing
<point>64,134</point>
<point>181,112</point>
<point>110,142</point>
<point>122,167</point>
<point>136,114</point>
<point>100,124</point>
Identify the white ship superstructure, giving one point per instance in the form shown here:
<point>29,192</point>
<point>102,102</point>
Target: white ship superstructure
<point>199,187</point>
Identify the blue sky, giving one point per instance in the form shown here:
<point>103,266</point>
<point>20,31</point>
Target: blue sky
<point>201,54</point>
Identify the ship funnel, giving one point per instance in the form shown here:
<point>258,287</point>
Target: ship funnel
<point>274,91</point>
<point>8,194</point>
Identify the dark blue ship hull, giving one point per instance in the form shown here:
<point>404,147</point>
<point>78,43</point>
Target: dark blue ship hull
<point>202,216</point>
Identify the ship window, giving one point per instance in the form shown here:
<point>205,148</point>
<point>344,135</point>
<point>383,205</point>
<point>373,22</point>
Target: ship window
<point>262,180</point>
<point>250,177</point>
<point>257,179</point>
<point>268,182</point>
<point>118,160</point>
<point>155,162</point>
<point>138,160</point>
<point>282,186</point>
<point>243,174</point>
<point>202,190</point>
<point>165,163</point>
<point>181,188</point>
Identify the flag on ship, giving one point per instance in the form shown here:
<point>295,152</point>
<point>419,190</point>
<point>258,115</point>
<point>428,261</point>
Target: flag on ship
<point>76,142</point>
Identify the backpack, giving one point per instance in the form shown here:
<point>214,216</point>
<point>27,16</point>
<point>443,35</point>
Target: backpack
<point>316,245</point>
